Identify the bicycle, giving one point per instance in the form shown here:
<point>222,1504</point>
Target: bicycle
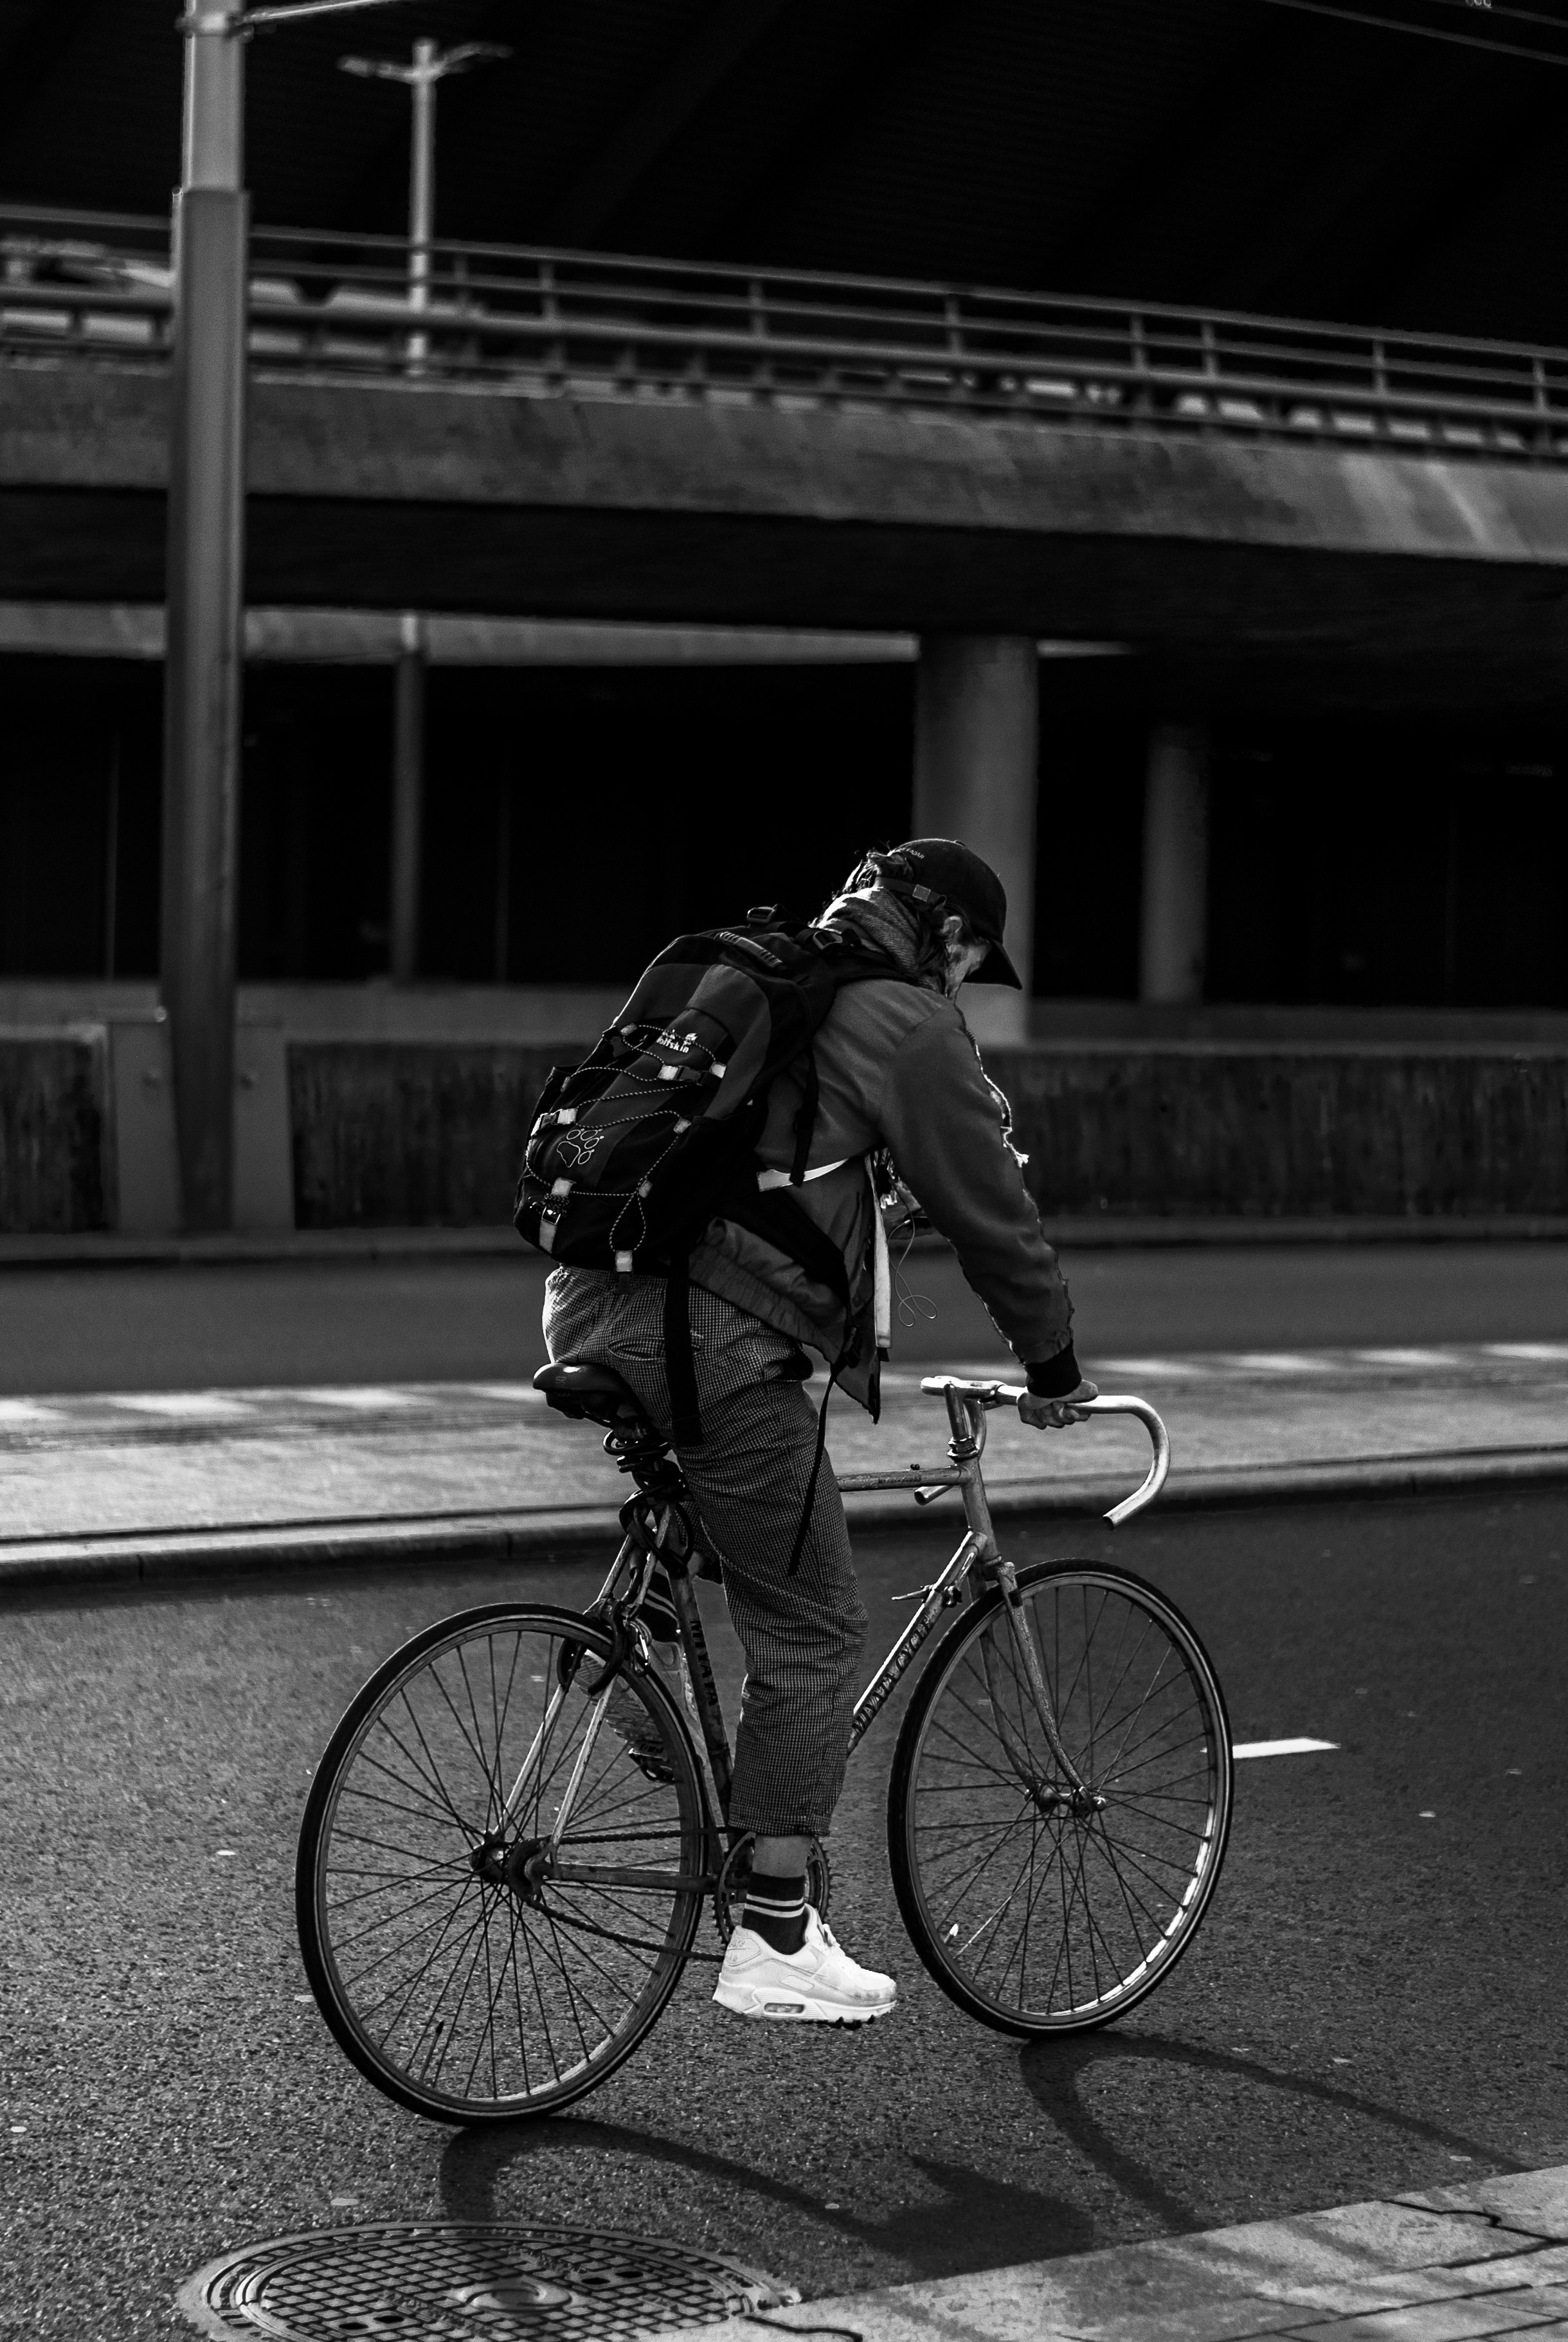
<point>497,1891</point>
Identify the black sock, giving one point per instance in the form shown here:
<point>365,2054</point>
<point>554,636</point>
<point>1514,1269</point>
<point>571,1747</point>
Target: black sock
<point>776,1910</point>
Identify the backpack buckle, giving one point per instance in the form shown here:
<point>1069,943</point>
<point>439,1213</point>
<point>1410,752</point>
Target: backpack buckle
<point>550,1214</point>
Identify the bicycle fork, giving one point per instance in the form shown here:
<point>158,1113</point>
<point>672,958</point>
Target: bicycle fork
<point>979,1552</point>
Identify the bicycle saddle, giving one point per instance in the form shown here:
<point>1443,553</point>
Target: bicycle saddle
<point>588,1392</point>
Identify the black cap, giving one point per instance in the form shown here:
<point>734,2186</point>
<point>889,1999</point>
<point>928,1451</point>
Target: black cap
<point>938,870</point>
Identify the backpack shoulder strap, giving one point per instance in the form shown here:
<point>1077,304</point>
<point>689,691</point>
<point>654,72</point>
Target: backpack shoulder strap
<point>850,961</point>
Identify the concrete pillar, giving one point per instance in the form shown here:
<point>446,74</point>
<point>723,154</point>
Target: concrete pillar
<point>1173,940</point>
<point>205,664</point>
<point>408,798</point>
<point>976,734</point>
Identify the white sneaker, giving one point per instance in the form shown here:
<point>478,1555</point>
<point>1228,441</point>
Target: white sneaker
<point>818,1985</point>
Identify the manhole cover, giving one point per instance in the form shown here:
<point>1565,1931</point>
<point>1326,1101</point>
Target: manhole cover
<point>403,2282</point>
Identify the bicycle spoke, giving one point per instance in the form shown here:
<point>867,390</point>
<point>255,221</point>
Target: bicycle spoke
<point>485,1762</point>
<point>444,2033</point>
<point>379,1798</point>
<point>518,1991</point>
<point>390,1919</point>
<point>1151,1918</point>
<point>422,1972</point>
<point>385,1845</point>
<point>434,1775</point>
<point>1121,1886</point>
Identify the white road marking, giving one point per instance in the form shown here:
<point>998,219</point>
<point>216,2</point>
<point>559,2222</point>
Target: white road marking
<point>1407,1357</point>
<point>503,1391</point>
<point>1153,1367</point>
<point>1526,1349</point>
<point>1241,1749</point>
<point>1278,1362</point>
<point>364,1400</point>
<point>180,1406</point>
<point>16,1412</point>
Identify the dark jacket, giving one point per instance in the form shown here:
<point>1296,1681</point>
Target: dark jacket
<point>897,1068</point>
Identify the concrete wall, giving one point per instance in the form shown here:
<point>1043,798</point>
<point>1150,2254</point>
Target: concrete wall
<point>411,1133</point>
<point>54,1127</point>
<point>1286,1132</point>
<point>388,1135</point>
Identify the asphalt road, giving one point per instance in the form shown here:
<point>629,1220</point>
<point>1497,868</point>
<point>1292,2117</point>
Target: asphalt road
<point>196,1327</point>
<point>1374,2003</point>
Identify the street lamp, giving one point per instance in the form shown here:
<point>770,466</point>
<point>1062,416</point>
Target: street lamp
<point>203,670</point>
<point>429,67</point>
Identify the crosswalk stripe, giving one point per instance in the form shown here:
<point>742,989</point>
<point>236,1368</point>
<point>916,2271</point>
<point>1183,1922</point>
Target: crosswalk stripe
<point>1242,1749</point>
<point>359,1400</point>
<point>179,1406</point>
<point>20,1413</point>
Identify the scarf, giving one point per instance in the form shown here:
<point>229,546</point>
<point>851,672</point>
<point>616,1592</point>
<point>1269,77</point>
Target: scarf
<point>882,919</point>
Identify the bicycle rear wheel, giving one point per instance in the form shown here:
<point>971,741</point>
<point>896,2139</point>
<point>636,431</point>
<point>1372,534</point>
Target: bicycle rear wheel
<point>460,1974</point>
<point>1036,1911</point>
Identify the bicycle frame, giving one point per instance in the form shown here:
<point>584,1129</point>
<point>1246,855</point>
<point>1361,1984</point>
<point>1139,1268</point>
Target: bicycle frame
<point>650,1518</point>
<point>978,1552</point>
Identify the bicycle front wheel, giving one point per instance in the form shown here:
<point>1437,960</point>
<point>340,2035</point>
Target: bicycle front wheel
<point>500,1866</point>
<point>1037,1907</point>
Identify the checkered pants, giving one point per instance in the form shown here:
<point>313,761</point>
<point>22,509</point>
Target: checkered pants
<point>803,1635</point>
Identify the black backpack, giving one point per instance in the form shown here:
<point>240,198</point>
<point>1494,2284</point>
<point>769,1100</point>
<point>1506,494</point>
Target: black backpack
<point>634,1150</point>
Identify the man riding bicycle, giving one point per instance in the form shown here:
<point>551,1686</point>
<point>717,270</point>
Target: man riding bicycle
<point>896,1070</point>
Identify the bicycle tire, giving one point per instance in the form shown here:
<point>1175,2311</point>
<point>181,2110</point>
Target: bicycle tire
<point>1128,1883</point>
<point>423,1757</point>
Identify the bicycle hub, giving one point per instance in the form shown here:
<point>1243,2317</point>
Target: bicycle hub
<point>521,1867</point>
<point>1081,1804</point>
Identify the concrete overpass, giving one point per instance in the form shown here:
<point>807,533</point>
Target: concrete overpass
<point>1355,578</point>
<point>1257,507</point>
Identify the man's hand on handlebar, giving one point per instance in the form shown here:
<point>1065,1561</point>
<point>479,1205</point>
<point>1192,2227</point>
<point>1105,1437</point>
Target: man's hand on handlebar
<point>1057,1413</point>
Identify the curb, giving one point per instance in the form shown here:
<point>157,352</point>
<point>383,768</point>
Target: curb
<point>1069,1232</point>
<point>288,1246</point>
<point>1482,2258</point>
<point>452,1540</point>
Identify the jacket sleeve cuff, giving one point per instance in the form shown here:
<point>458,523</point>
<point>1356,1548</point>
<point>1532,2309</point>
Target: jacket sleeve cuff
<point>1055,1377</point>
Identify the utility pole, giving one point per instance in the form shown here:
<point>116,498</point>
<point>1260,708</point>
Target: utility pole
<point>204,671</point>
<point>430,66</point>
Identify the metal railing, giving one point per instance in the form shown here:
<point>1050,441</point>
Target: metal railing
<point>529,322</point>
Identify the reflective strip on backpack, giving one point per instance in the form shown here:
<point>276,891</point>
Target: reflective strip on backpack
<point>882,1304</point>
<point>881,1307</point>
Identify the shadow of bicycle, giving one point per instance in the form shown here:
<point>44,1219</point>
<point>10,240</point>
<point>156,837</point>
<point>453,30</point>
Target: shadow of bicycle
<point>963,2219</point>
<point>1055,2072</point>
